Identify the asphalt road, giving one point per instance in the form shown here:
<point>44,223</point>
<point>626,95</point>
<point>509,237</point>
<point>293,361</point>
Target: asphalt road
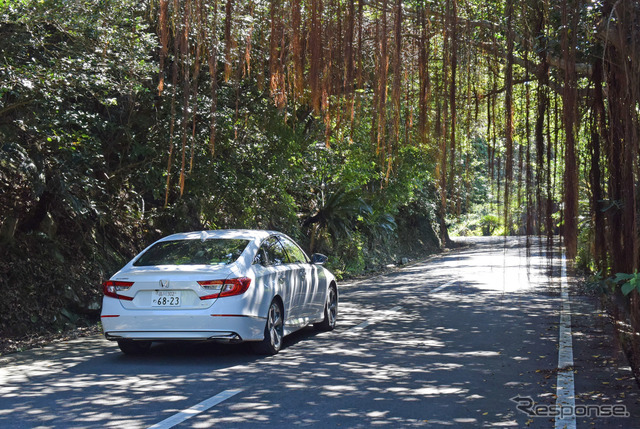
<point>446,342</point>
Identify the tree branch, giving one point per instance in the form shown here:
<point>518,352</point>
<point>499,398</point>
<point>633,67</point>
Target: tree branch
<point>13,106</point>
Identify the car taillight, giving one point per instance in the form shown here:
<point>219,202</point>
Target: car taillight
<point>211,285</point>
<point>112,287</point>
<point>235,286</point>
<point>228,287</point>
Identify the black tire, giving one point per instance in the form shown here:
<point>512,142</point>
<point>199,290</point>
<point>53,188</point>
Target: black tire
<point>130,347</point>
<point>273,331</point>
<point>330,312</point>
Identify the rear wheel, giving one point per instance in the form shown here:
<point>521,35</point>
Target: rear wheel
<point>273,331</point>
<point>330,312</point>
<point>130,347</point>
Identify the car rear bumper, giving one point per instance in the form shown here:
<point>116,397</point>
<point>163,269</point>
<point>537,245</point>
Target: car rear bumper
<point>168,327</point>
<point>172,336</point>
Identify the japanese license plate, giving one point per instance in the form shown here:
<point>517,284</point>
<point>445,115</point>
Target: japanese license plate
<point>166,298</point>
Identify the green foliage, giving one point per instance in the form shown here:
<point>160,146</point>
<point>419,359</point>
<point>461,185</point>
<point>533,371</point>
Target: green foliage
<point>625,282</point>
<point>481,220</point>
<point>489,224</point>
<point>628,282</point>
<point>584,259</point>
<point>84,155</point>
<point>599,285</point>
<point>339,212</point>
<point>75,77</point>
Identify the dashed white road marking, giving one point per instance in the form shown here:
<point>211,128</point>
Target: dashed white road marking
<point>371,321</point>
<point>446,285</point>
<point>565,390</point>
<point>362,325</point>
<point>195,410</point>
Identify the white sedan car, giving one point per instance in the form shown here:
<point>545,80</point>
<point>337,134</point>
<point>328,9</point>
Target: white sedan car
<point>227,285</point>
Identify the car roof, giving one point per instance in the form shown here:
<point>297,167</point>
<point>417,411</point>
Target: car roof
<point>246,234</point>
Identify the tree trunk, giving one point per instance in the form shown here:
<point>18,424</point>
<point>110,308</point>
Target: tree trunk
<point>453,36</point>
<point>508,111</point>
<point>569,95</point>
<point>598,129</point>
<point>315,50</point>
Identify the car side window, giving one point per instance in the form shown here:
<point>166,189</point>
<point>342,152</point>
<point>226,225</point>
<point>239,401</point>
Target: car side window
<point>296,255</point>
<point>272,251</point>
<point>261,257</point>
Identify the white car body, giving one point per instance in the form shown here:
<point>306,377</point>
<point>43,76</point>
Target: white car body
<point>142,310</point>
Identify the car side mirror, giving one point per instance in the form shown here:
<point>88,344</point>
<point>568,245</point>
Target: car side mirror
<point>318,259</point>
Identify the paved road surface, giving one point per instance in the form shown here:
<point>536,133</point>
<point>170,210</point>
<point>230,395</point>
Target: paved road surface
<point>447,342</point>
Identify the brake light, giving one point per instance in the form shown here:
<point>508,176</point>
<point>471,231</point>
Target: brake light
<point>112,287</point>
<point>228,287</point>
<point>235,286</point>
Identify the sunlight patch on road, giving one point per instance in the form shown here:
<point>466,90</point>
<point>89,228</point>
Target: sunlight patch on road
<point>428,391</point>
<point>30,364</point>
<point>477,353</point>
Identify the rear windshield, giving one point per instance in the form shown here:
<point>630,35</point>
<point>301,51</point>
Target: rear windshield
<point>193,252</point>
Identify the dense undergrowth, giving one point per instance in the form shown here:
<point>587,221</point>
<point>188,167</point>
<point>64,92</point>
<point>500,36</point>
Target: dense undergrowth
<point>84,144</point>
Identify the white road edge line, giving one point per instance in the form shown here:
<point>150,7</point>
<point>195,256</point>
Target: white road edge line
<point>195,410</point>
<point>565,390</point>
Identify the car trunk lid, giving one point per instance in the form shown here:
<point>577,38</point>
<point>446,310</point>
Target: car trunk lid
<point>173,287</point>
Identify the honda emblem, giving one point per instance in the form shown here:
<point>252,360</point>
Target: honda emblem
<point>164,283</point>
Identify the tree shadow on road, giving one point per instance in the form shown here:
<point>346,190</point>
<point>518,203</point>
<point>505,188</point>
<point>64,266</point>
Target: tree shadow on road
<point>444,344</point>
